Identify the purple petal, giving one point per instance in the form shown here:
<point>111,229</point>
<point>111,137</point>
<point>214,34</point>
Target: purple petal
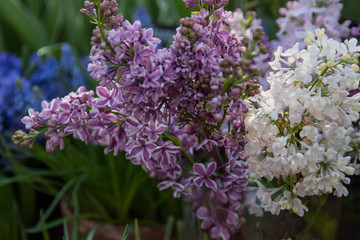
<point>64,118</point>
<point>211,167</point>
<point>199,181</point>
<point>82,134</point>
<point>221,196</point>
<point>132,121</point>
<point>202,213</point>
<point>211,184</point>
<point>65,106</point>
<point>151,146</point>
<point>215,232</point>
<point>165,184</point>
<point>102,92</point>
<point>136,150</point>
<point>146,154</point>
<point>200,169</point>
<point>232,218</point>
<point>26,120</point>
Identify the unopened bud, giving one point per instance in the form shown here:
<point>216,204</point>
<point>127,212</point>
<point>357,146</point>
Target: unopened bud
<point>330,64</point>
<point>310,36</point>
<point>355,67</point>
<point>322,67</point>
<point>320,32</point>
<point>346,57</point>
<point>307,41</point>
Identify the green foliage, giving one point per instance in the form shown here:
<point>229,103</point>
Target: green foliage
<point>320,220</point>
<point>33,24</point>
<point>17,205</point>
<point>110,189</point>
<point>351,10</point>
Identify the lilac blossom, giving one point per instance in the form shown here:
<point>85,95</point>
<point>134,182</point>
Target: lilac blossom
<point>302,16</point>
<point>177,112</point>
<point>204,173</point>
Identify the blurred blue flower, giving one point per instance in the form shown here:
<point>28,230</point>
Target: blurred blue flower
<point>165,34</point>
<point>142,14</point>
<point>45,77</point>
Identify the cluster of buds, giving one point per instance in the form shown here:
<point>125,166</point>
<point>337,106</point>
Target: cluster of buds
<point>207,4</point>
<point>23,139</point>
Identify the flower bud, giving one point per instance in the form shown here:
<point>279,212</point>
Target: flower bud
<point>355,67</point>
<point>310,36</point>
<point>320,32</point>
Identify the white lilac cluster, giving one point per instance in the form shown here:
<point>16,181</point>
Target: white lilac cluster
<point>302,16</point>
<point>300,131</point>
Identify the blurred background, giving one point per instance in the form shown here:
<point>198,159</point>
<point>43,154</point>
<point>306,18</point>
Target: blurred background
<point>43,54</point>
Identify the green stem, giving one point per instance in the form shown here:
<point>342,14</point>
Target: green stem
<point>177,142</point>
<point>218,126</point>
<point>321,202</point>
<point>319,78</point>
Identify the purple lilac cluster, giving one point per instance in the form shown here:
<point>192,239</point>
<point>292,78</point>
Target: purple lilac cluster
<point>257,55</point>
<point>178,112</point>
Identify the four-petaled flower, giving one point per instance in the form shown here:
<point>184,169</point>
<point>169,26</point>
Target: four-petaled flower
<point>205,172</point>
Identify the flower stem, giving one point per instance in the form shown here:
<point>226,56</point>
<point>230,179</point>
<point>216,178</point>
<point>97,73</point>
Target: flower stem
<point>321,203</point>
<point>177,142</point>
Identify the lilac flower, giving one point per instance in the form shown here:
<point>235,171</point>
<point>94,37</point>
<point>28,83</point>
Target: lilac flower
<point>170,110</point>
<point>220,231</point>
<point>205,172</point>
<point>154,130</point>
<point>302,16</point>
<point>355,31</point>
<point>33,120</point>
<point>204,214</point>
<point>208,143</point>
<point>107,97</point>
<point>190,3</point>
<point>165,153</point>
<point>142,149</point>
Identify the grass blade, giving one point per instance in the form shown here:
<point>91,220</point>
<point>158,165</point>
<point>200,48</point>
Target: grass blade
<point>66,232</point>
<point>45,233</point>
<point>169,227</point>
<point>24,22</point>
<point>126,232</point>
<point>137,230</point>
<point>91,234</point>
<point>58,198</point>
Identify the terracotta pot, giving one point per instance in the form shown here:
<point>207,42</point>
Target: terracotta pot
<point>111,232</point>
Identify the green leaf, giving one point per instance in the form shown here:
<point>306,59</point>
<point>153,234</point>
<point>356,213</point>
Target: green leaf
<point>91,234</point>
<point>45,233</point>
<point>2,44</point>
<point>169,227</point>
<point>126,232</point>
<point>137,230</point>
<point>66,231</point>
<point>57,199</point>
<point>24,22</point>
<point>180,229</point>
<point>181,9</point>
<point>57,222</point>
<point>54,18</point>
